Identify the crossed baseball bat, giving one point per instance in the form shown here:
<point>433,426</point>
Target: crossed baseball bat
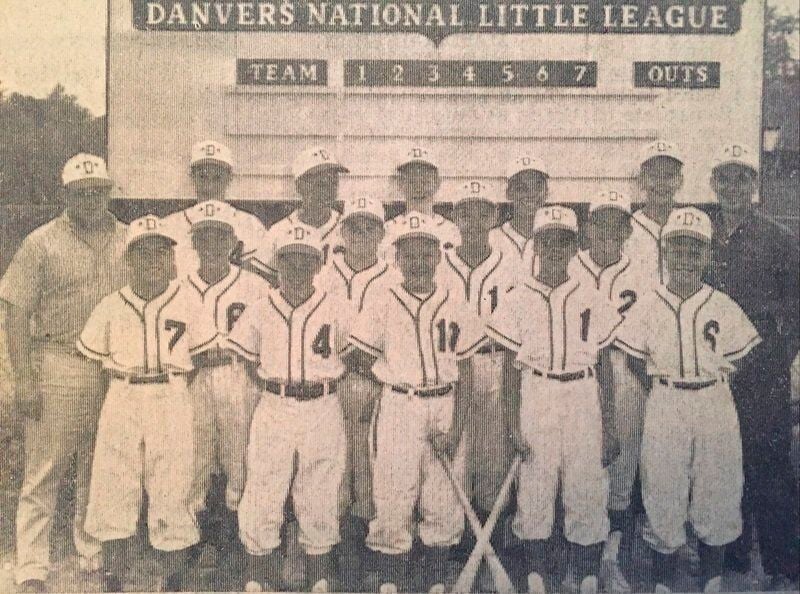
<point>483,546</point>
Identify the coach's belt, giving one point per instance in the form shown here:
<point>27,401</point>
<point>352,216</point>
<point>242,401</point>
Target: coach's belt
<point>569,376</point>
<point>160,378</point>
<point>304,391</point>
<point>425,392</point>
<point>491,347</point>
<point>684,385</point>
<point>207,359</point>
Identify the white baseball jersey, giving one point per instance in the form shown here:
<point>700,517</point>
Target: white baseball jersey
<point>643,247</point>
<point>293,344</point>
<point>417,340</point>
<point>516,247</point>
<point>557,329</point>
<point>134,336</point>
<point>618,283</point>
<point>342,279</point>
<point>698,337</point>
<point>216,308</point>
<point>484,286</point>
<point>329,236</point>
<point>248,228</point>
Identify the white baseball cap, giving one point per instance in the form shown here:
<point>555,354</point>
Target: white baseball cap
<point>525,163</point>
<point>555,217</point>
<point>211,212</point>
<point>418,154</point>
<point>739,154</point>
<point>413,224</point>
<point>365,207</point>
<point>661,148</point>
<point>688,221</point>
<point>476,190</point>
<point>611,199</point>
<point>316,158</point>
<point>211,151</point>
<point>147,226</point>
<point>299,238</point>
<point>86,171</point>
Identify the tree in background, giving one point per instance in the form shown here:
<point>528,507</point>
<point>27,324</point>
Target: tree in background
<point>36,137</point>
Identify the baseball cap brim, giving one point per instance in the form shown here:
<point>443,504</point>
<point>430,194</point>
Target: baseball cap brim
<point>147,235</point>
<point>210,223</point>
<point>686,233</point>
<point>750,166</point>
<point>364,213</point>
<point>555,226</point>
<point>211,161</point>
<point>593,208</point>
<point>663,156</point>
<point>324,167</point>
<point>414,234</point>
<point>418,161</point>
<point>90,182</point>
<point>298,248</point>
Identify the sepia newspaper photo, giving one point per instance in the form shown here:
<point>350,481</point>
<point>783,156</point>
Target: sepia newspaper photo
<point>392,296</point>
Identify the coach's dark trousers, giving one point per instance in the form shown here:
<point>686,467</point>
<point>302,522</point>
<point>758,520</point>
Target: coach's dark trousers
<point>770,498</point>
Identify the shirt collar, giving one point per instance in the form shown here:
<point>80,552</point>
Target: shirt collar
<point>651,226</point>
<point>518,239</point>
<point>140,305</point>
<point>549,292</point>
<point>203,287</point>
<point>676,301</point>
<point>589,264</point>
<point>286,309</point>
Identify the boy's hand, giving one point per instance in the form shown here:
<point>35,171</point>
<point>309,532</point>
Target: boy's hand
<point>610,449</point>
<point>520,444</point>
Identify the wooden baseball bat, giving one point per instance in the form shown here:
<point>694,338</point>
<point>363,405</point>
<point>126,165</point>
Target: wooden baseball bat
<point>499,575</point>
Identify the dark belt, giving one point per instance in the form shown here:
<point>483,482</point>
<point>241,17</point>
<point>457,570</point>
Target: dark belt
<point>570,376</point>
<point>206,359</point>
<point>682,385</point>
<point>424,392</point>
<point>489,348</point>
<point>161,378</point>
<point>304,391</point>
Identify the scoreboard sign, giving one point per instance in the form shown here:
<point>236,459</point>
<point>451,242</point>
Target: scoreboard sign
<point>582,85</point>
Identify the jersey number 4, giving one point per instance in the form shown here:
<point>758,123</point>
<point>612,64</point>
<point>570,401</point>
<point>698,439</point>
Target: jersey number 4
<point>177,329</point>
<point>322,342</point>
<point>446,342</point>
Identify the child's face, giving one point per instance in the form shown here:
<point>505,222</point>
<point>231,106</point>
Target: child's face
<point>686,258</point>
<point>475,217</point>
<point>555,248</point>
<point>418,258</point>
<point>418,181</point>
<point>213,244</point>
<point>607,231</point>
<point>211,181</point>
<point>320,186</point>
<point>734,186</point>
<point>362,233</point>
<point>660,178</point>
<point>527,191</point>
<point>297,268</point>
<point>151,261</point>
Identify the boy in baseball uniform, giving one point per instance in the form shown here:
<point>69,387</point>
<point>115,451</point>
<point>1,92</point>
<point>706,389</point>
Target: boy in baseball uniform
<point>316,173</point>
<point>223,395</point>
<point>416,336</point>
<point>483,274</point>
<point>297,444</point>
<point>211,168</point>
<point>659,179</point>
<point>141,335</point>
<point>355,270</point>
<point>605,266</point>
<point>554,327</point>
<point>691,337</point>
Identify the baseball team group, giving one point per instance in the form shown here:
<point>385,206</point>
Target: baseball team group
<point>371,393</point>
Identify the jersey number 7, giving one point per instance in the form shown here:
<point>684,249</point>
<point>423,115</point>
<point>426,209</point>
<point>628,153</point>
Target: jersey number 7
<point>178,327</point>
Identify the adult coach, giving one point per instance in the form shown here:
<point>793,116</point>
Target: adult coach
<point>755,261</point>
<point>61,271</point>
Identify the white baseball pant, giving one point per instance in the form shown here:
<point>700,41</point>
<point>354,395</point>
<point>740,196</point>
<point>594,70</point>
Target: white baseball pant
<point>283,428</point>
<point>405,472</point>
<point>489,449</point>
<point>71,390</point>
<point>691,466</point>
<point>630,396</point>
<point>224,398</point>
<point>144,440</point>
<point>561,422</point>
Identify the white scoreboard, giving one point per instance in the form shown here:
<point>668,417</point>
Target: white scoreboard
<point>581,84</point>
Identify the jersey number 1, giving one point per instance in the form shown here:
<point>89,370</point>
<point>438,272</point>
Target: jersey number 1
<point>322,342</point>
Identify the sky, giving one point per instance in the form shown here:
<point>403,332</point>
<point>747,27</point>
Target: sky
<point>44,42</point>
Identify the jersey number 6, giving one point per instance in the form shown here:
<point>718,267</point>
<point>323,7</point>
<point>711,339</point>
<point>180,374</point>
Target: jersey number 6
<point>178,327</point>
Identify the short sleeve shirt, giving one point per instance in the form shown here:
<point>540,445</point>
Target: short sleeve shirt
<point>643,247</point>
<point>59,275</point>
<point>417,340</point>
<point>134,336</point>
<point>698,337</point>
<point>618,282</point>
